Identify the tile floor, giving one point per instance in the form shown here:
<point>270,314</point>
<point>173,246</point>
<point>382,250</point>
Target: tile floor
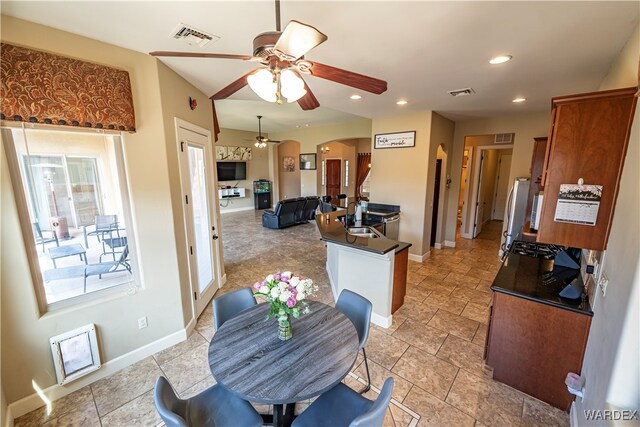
<point>433,349</point>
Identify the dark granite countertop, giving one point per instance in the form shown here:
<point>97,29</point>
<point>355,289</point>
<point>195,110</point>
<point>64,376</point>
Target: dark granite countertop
<point>335,232</point>
<point>524,276</point>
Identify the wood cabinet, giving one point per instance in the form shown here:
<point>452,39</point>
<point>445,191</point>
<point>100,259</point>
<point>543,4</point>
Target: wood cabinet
<point>537,165</point>
<point>531,346</point>
<point>400,265</point>
<point>588,140</point>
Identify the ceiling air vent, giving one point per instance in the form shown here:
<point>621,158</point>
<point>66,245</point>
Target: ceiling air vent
<point>192,36</point>
<point>504,138</point>
<point>461,92</point>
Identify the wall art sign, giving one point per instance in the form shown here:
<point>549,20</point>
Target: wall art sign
<point>232,153</point>
<point>395,140</point>
<point>578,204</point>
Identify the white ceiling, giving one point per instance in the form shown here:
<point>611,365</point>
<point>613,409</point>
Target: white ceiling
<point>422,49</point>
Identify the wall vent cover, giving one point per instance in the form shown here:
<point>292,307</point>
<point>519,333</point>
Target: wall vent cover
<point>192,36</point>
<point>504,138</point>
<point>461,92</point>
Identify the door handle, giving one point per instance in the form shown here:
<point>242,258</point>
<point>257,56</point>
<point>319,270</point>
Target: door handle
<point>215,237</point>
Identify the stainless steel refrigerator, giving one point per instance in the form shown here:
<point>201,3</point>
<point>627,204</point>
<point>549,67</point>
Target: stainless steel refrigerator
<point>516,206</point>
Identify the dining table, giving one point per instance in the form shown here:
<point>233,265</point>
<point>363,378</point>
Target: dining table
<point>247,357</point>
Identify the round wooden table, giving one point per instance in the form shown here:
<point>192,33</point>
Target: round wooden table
<point>247,358</point>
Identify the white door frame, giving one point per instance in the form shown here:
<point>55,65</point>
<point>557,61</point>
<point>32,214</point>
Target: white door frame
<point>471,190</point>
<point>197,305</point>
<point>499,179</point>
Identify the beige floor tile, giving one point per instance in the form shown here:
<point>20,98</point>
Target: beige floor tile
<point>437,301</point>
<point>538,414</point>
<point>439,288</point>
<point>457,267</point>
<point>482,274</point>
<point>398,318</point>
<point>433,273</point>
<point>413,278</point>
<point>117,389</point>
<point>426,371</point>
<point>400,417</point>
<point>194,340</point>
<point>473,295</point>
<point>378,376</point>
<point>480,337</point>
<point>188,369</point>
<point>479,313</point>
<point>198,387</point>
<point>421,312</point>
<point>416,292</point>
<point>484,285</point>
<point>435,412</point>
<point>421,336</point>
<point>59,407</point>
<point>384,349</point>
<point>82,415</point>
<point>453,324</point>
<point>463,354</point>
<point>488,401</point>
<point>138,412</point>
<point>205,323</point>
<point>461,280</point>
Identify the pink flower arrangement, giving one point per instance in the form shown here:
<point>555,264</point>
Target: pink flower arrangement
<point>284,291</point>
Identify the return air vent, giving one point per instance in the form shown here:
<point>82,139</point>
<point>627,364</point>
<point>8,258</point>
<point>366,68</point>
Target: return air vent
<point>461,92</point>
<point>504,138</point>
<point>191,36</point>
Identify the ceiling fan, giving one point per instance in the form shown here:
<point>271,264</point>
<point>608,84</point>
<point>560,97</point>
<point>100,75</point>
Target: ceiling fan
<point>281,54</point>
<point>261,141</point>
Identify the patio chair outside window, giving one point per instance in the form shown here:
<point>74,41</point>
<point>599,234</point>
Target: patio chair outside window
<point>40,239</point>
<point>104,224</point>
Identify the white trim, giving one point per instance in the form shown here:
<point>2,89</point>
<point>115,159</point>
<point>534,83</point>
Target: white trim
<point>223,279</point>
<point>8,418</point>
<point>420,258</point>
<point>383,322</point>
<point>333,285</point>
<point>437,245</point>
<point>33,401</point>
<point>248,208</point>
<point>573,415</point>
<point>450,244</point>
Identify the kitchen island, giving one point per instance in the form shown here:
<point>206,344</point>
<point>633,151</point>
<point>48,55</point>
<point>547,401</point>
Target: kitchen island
<point>536,337</point>
<point>374,267</point>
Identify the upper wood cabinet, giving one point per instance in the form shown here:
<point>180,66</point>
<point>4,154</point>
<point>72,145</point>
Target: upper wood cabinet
<point>588,139</point>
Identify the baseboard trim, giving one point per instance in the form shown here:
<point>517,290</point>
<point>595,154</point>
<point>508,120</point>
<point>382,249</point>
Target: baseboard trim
<point>56,391</point>
<point>8,418</point>
<point>247,208</point>
<point>333,287</point>
<point>450,244</point>
<point>420,258</point>
<point>438,245</point>
<point>383,322</point>
<point>573,415</point>
<point>223,280</point>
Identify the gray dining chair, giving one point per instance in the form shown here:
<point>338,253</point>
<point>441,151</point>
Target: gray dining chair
<point>213,407</point>
<point>342,406</point>
<point>229,305</point>
<point>358,309</point>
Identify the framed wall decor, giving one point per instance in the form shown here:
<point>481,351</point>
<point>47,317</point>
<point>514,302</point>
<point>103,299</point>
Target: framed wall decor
<point>395,140</point>
<point>288,164</point>
<point>224,152</point>
<point>308,161</point>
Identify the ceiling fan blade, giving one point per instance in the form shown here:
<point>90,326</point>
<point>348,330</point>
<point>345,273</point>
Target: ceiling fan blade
<point>232,88</point>
<point>298,39</point>
<point>309,100</point>
<point>200,55</point>
<point>348,78</point>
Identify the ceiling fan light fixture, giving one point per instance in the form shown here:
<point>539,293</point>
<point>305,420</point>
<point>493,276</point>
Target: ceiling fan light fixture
<point>263,84</point>
<point>292,86</point>
<point>297,39</point>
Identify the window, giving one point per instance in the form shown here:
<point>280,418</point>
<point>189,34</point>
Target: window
<point>364,188</point>
<point>75,208</point>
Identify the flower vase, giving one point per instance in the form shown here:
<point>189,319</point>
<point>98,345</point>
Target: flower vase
<point>284,328</point>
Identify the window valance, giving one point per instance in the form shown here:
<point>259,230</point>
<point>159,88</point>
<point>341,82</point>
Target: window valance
<point>41,87</point>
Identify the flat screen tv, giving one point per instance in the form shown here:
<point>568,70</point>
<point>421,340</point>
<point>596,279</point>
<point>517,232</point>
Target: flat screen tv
<point>232,171</point>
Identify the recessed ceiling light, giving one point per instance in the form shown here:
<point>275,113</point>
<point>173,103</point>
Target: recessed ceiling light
<point>519,100</point>
<point>306,125</point>
<point>355,97</point>
<point>297,126</point>
<point>402,102</point>
<point>500,59</point>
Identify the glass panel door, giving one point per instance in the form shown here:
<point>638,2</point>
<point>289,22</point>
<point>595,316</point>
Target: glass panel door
<point>48,185</point>
<point>83,177</point>
<point>200,217</point>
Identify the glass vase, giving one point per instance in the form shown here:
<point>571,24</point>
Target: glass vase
<point>284,328</point>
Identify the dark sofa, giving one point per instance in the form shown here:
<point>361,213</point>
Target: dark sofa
<point>290,212</point>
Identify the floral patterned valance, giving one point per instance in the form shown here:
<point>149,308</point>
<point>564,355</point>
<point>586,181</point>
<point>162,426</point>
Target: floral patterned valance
<point>40,87</point>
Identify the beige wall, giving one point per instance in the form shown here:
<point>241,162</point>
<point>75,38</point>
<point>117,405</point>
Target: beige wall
<point>399,175</point>
<point>310,138</point>
<point>151,172</point>
<point>525,127</point>
<point>257,167</point>
<point>288,182</point>
<point>364,145</point>
<point>610,368</point>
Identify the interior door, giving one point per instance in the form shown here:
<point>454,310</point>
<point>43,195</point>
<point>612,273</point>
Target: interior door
<point>333,177</point>
<point>477,226</point>
<point>436,202</point>
<point>196,172</point>
<point>502,187</point>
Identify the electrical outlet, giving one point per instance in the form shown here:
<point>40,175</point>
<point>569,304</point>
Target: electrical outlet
<point>603,283</point>
<point>142,322</point>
